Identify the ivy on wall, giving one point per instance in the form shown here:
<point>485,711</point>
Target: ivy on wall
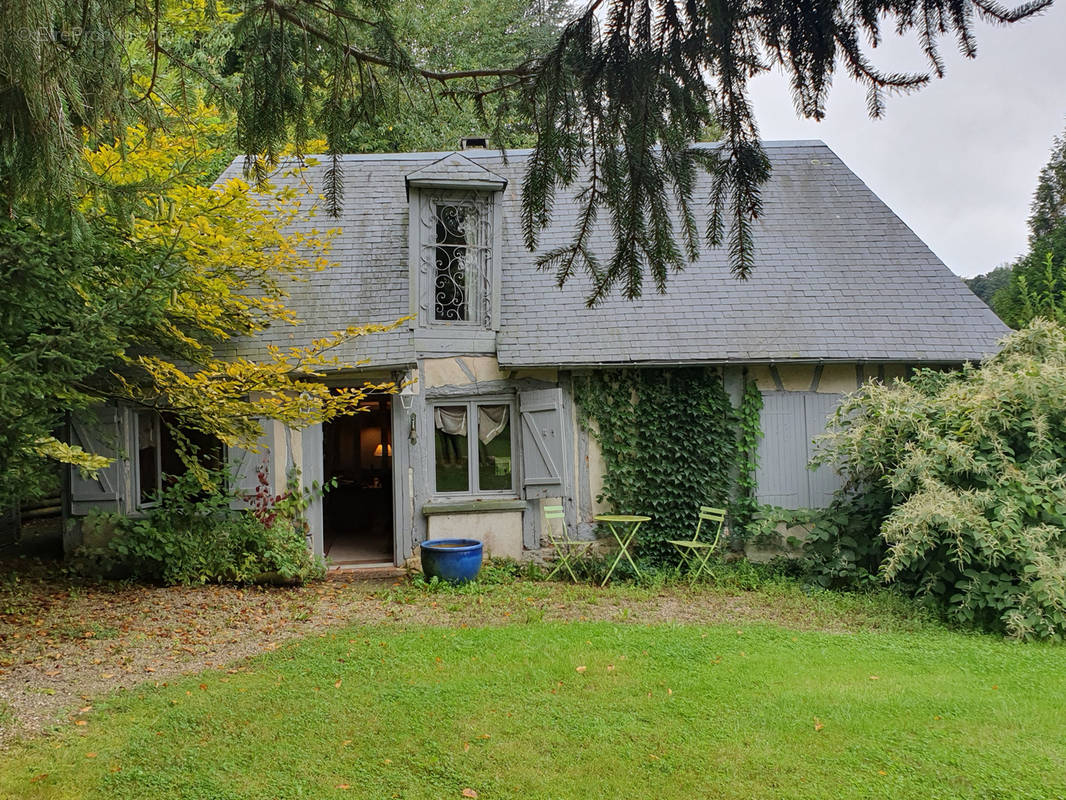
<point>669,442</point>
<point>745,504</point>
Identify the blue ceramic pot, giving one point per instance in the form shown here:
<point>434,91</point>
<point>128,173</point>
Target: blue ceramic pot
<point>453,560</point>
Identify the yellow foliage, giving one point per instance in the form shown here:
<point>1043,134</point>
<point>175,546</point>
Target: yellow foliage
<point>88,463</point>
<point>235,248</point>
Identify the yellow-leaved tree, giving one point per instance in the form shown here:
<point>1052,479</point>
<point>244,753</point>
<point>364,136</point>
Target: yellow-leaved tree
<point>224,254</point>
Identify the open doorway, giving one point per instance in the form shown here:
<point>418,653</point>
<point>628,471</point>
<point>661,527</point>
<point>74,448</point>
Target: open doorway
<point>357,451</point>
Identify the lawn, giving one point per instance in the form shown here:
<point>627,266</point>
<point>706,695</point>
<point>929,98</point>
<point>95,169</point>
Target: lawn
<point>557,709</point>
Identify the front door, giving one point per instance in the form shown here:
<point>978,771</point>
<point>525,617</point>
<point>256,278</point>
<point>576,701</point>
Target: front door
<point>358,523</point>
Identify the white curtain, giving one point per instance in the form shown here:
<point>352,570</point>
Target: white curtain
<point>450,419</point>
<point>491,420</point>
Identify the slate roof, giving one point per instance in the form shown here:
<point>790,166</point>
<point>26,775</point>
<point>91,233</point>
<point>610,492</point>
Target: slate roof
<point>838,277</point>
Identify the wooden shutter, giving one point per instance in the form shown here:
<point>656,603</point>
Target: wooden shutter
<point>790,422</point>
<point>98,431</point>
<point>781,479</point>
<point>245,465</point>
<point>823,481</point>
<point>543,443</point>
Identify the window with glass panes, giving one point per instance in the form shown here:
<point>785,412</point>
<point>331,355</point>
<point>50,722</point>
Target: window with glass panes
<point>456,258</point>
<point>159,462</point>
<point>149,458</point>
<point>473,446</point>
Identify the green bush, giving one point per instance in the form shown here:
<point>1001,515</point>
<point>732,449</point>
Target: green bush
<point>963,475</point>
<point>193,536</point>
<point>840,552</point>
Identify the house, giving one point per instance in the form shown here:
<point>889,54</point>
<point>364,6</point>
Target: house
<point>842,291</point>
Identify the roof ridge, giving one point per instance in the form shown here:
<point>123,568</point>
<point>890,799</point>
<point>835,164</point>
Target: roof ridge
<point>479,154</point>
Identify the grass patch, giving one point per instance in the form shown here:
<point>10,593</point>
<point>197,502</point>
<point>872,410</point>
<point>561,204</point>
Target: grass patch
<point>578,710</point>
<point>85,630</point>
<point>752,589</point>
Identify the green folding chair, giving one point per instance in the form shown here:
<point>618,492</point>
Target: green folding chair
<point>695,553</point>
<point>567,550</point>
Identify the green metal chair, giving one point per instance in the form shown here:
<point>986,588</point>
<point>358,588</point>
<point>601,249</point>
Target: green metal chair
<point>567,550</point>
<point>696,553</point>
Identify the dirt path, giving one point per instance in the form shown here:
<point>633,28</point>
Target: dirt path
<point>62,642</point>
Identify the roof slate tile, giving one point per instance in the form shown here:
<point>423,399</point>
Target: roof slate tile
<point>838,276</point>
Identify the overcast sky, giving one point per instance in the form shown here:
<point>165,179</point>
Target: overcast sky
<point>958,160</point>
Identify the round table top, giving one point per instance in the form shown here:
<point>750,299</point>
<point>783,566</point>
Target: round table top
<point>620,518</point>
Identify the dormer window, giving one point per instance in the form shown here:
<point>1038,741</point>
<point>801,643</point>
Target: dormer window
<point>457,259</point>
<point>454,242</point>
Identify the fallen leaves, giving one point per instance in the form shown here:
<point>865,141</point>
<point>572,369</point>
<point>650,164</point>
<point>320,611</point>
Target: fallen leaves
<point>818,724</point>
<point>468,792</point>
<point>582,668</point>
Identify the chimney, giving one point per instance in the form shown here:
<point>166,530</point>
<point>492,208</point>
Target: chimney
<point>474,143</point>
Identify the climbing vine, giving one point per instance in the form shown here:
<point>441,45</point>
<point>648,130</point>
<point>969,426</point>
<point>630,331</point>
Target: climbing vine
<point>669,445</point>
<point>745,504</point>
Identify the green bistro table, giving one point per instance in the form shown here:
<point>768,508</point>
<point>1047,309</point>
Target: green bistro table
<point>629,525</point>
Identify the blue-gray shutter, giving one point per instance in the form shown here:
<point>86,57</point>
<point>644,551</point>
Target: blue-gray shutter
<point>98,431</point>
<point>790,422</point>
<point>313,473</point>
<point>543,443</point>
<point>244,466</point>
<point>823,481</point>
<point>781,478</point>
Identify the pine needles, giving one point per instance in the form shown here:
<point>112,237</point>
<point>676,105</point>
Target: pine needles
<point>615,103</point>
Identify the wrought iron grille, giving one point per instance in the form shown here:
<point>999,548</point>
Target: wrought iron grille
<point>456,256</point>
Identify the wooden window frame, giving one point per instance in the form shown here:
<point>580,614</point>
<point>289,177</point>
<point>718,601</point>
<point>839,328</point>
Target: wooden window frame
<point>472,445</point>
<point>157,423</point>
<point>483,314</point>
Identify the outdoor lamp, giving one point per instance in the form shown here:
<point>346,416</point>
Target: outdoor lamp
<point>407,393</point>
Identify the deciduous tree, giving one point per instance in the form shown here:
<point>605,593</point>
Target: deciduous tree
<point>148,303</point>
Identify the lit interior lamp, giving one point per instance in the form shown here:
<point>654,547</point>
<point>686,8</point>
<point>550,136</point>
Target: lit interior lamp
<point>378,451</point>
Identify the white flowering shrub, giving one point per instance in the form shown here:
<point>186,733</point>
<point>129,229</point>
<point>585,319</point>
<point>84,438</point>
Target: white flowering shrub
<point>971,466</point>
